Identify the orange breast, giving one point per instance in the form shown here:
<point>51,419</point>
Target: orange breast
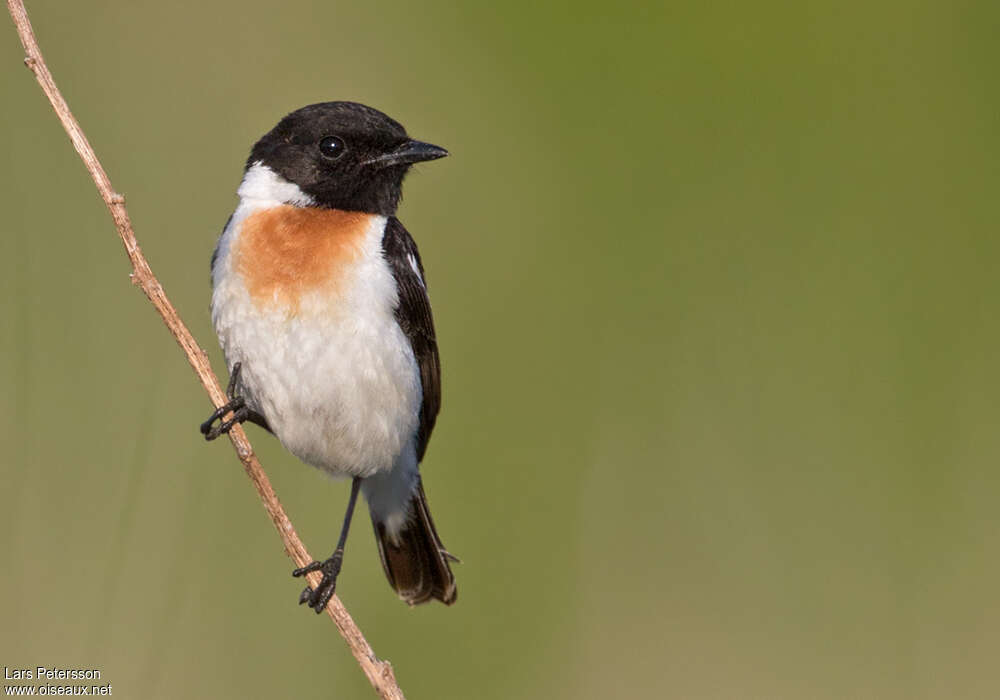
<point>285,252</point>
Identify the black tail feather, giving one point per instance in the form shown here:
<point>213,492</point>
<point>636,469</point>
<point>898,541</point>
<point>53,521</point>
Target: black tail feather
<point>416,564</point>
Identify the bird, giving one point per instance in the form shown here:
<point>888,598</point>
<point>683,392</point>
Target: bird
<point>320,305</point>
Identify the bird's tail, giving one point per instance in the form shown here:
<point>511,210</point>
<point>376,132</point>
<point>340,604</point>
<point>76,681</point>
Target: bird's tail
<point>415,561</point>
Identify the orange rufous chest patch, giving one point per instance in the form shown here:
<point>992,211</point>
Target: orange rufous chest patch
<point>285,252</point>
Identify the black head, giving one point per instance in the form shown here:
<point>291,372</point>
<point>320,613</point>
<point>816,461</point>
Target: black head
<point>344,155</point>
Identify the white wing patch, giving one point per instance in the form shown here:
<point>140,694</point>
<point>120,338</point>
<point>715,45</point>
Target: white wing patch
<point>410,258</point>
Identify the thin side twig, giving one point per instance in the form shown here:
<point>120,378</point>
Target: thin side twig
<point>379,672</point>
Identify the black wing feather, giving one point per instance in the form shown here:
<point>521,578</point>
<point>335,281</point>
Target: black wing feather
<point>413,314</point>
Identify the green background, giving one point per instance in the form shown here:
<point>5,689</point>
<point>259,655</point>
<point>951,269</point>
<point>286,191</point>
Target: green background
<point>715,292</point>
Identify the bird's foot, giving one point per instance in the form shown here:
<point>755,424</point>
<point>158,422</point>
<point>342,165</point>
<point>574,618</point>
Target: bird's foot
<point>236,405</point>
<point>319,597</point>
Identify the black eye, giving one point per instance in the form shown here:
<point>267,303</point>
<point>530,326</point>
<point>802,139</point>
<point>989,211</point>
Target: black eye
<point>332,147</point>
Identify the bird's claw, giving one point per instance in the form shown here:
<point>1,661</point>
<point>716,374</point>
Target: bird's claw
<point>320,596</point>
<point>236,405</point>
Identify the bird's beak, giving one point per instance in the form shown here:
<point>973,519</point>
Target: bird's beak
<point>408,153</point>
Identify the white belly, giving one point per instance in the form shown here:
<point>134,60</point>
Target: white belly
<point>335,378</point>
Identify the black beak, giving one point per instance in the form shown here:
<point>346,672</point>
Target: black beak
<point>408,153</point>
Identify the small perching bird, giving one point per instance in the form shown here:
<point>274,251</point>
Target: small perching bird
<point>321,307</point>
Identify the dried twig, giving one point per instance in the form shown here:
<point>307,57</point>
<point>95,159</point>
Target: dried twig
<point>379,672</point>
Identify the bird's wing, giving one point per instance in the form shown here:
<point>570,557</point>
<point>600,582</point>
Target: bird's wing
<point>413,314</point>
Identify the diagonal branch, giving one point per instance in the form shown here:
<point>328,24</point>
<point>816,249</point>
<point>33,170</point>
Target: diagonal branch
<point>379,672</point>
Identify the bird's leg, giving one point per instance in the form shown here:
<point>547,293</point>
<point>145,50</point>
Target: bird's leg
<point>319,597</point>
<point>236,405</point>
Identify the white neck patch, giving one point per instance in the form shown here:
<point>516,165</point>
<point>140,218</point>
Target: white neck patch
<point>265,186</point>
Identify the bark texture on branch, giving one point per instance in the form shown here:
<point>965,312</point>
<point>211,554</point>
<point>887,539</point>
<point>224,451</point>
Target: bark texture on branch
<point>379,673</point>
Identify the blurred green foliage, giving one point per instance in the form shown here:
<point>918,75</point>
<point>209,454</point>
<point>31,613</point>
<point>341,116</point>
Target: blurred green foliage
<point>715,290</point>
